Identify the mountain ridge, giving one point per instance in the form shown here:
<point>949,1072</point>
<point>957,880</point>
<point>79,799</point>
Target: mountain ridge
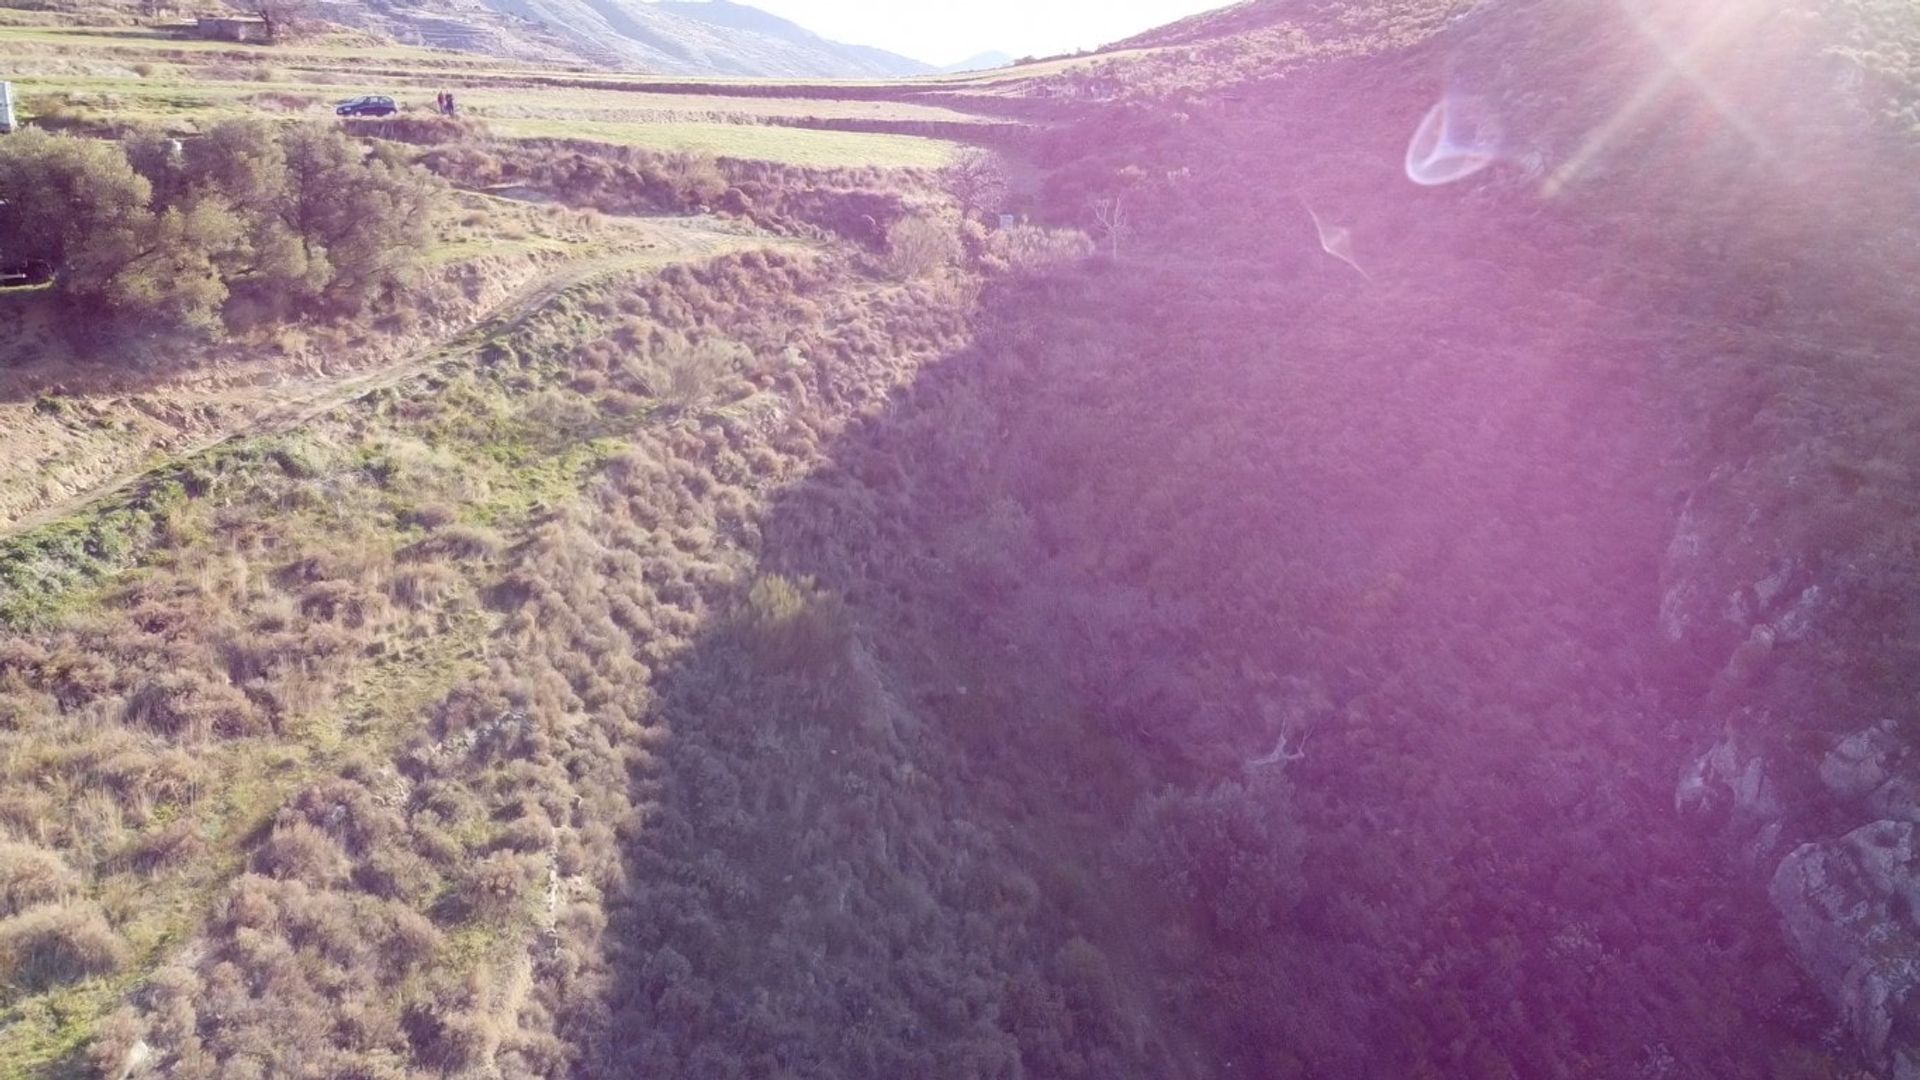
<point>668,37</point>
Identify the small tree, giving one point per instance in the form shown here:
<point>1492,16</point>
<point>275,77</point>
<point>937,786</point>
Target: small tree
<point>919,246</point>
<point>284,18</point>
<point>978,182</point>
<point>1111,216</point>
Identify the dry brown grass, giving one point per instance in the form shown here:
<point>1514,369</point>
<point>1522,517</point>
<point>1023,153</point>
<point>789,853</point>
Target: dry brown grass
<point>56,943</point>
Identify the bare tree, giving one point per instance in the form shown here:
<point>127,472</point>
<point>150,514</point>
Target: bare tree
<point>1291,747</point>
<point>284,18</point>
<point>1111,216</point>
<point>977,181</point>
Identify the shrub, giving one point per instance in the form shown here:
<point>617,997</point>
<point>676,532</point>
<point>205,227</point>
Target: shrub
<point>58,943</point>
<point>184,705</point>
<point>30,876</point>
<point>918,247</point>
<point>794,626</point>
<point>116,1051</point>
<point>498,884</point>
<point>689,375</point>
<point>1228,850</point>
<point>299,852</point>
<point>274,219</point>
<point>78,206</point>
<point>174,844</point>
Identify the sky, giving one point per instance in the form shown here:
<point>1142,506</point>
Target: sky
<point>948,31</point>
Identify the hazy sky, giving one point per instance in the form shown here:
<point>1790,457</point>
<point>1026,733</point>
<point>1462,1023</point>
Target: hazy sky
<point>947,31</point>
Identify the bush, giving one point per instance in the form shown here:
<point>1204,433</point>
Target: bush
<point>271,218</point>
<point>30,876</point>
<point>78,205</point>
<point>793,626</point>
<point>58,943</point>
<point>497,886</point>
<point>116,1048</point>
<point>184,705</point>
<point>299,852</point>
<point>1229,851</point>
<point>920,246</point>
<point>690,375</point>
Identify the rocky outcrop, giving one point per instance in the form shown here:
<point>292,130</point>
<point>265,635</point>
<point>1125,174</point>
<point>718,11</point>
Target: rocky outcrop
<point>1729,787</point>
<point>1864,763</point>
<point>1828,823</point>
<point>1848,908</point>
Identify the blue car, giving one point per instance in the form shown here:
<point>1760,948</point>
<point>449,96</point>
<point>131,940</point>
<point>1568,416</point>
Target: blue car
<point>371,105</point>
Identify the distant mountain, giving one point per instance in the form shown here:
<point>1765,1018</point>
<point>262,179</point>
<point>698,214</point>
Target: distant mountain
<point>850,59</point>
<point>671,37</point>
<point>986,61</point>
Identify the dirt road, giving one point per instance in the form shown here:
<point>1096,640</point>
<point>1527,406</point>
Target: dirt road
<point>69,453</point>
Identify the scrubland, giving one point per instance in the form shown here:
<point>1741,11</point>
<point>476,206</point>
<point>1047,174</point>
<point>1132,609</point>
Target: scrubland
<point>1248,625</point>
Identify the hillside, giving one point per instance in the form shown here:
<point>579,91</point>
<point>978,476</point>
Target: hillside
<point>669,37</point>
<point>1401,567</point>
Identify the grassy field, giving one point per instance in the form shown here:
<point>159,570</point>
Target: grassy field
<point>107,77</point>
<point>794,146</point>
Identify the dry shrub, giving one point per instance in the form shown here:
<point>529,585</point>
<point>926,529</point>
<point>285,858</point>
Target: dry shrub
<point>920,246</point>
<point>1029,249</point>
<point>458,542</point>
<point>174,844</point>
<point>347,602</point>
<point>431,515</point>
<point>58,943</point>
<point>30,876</point>
<point>185,705</point>
<point>396,873</point>
<point>423,585</point>
<point>496,886</point>
<point>157,776</point>
<point>450,1040</point>
<point>689,375</point>
<point>284,101</point>
<point>299,852</point>
<point>116,1042</point>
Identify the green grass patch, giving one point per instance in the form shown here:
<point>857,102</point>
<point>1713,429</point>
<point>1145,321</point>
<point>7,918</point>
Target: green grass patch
<point>750,142</point>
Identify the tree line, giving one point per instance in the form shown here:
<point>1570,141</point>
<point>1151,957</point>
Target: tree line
<point>248,223</point>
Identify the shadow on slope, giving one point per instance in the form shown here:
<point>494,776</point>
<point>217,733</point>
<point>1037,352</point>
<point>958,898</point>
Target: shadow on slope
<point>1387,512</point>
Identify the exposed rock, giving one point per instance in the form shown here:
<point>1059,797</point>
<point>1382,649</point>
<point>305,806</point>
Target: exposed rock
<point>1862,762</point>
<point>1847,907</point>
<point>1730,778</point>
<point>1729,787</point>
<point>1896,800</point>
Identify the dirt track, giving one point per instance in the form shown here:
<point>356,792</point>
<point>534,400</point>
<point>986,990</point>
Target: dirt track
<point>61,464</point>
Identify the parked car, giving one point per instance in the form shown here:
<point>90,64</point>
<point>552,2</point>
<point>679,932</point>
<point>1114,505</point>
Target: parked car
<point>371,105</point>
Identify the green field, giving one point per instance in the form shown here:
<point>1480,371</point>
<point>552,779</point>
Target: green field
<point>763,142</point>
<point>107,77</point>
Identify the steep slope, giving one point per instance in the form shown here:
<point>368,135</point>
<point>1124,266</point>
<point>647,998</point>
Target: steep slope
<point>677,37</point>
<point>1502,445</point>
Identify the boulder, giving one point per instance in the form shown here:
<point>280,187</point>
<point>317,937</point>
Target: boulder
<point>1847,907</point>
<point>1862,762</point>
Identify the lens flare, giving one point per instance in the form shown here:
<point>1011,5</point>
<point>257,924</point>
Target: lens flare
<point>1459,137</point>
